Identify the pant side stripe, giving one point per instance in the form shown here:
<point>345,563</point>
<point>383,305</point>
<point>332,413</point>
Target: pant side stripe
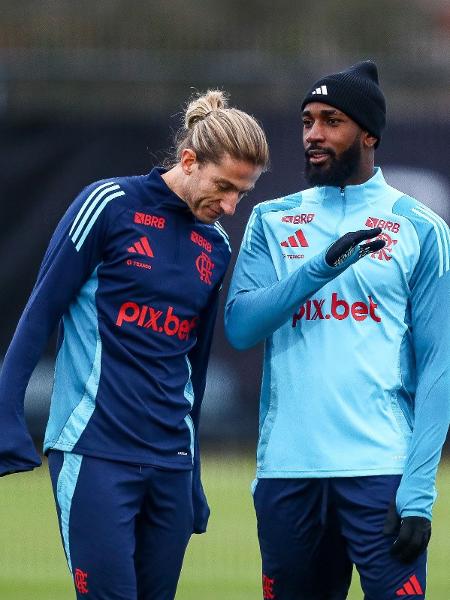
<point>65,489</point>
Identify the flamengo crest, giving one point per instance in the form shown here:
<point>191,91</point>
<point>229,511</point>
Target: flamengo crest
<point>205,267</point>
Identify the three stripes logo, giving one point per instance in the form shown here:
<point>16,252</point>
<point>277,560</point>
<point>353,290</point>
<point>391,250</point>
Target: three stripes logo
<point>142,247</point>
<point>442,232</point>
<point>296,240</point>
<point>411,588</point>
<point>90,211</point>
<point>322,90</point>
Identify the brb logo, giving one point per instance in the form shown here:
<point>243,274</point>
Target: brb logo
<point>391,226</point>
<point>149,317</point>
<point>340,309</point>
<point>296,219</point>
<point>200,241</point>
<point>149,220</point>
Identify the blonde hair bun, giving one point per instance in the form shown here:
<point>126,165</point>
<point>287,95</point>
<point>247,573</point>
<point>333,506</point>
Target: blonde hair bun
<point>212,129</point>
<point>200,107</point>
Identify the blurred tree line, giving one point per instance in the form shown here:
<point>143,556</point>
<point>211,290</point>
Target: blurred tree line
<point>66,56</point>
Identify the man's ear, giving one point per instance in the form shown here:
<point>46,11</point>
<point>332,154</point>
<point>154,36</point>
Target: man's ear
<point>369,140</point>
<point>188,159</point>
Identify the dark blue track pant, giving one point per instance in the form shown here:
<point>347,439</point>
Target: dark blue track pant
<point>309,530</point>
<point>124,527</point>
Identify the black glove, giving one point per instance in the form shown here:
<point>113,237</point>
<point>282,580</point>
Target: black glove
<point>345,246</point>
<point>413,535</point>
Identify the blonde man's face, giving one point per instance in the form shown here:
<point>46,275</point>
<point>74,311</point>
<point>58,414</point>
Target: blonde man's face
<point>213,190</point>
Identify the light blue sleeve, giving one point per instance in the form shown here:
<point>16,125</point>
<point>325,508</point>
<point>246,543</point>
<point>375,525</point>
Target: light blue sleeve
<point>430,300</point>
<point>258,302</point>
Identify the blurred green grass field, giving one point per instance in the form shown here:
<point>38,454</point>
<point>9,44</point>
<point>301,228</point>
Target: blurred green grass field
<point>220,565</point>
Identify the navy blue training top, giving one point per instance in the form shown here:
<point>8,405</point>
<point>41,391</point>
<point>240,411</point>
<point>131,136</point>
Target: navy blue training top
<point>133,278</point>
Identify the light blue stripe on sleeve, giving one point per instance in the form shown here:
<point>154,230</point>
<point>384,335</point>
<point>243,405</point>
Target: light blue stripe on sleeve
<point>442,236</point>
<point>224,234</point>
<point>217,225</point>
<point>94,217</point>
<point>86,203</point>
<point>76,234</point>
<point>65,489</point>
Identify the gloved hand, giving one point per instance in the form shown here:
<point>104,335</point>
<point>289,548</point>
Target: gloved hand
<point>345,246</point>
<point>413,535</point>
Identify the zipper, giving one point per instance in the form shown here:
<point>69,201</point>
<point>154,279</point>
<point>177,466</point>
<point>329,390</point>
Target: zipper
<point>343,211</point>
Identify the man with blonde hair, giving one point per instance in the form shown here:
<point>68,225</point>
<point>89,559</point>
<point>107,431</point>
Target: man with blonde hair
<point>132,274</point>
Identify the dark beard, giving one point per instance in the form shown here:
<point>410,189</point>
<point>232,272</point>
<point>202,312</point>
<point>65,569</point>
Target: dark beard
<point>338,171</point>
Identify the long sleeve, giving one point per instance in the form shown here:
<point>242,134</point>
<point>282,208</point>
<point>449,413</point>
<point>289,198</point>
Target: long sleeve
<point>198,358</point>
<point>73,253</point>
<point>430,295</point>
<point>258,302</point>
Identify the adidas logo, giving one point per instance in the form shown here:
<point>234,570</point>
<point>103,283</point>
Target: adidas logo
<point>141,247</point>
<point>321,90</point>
<point>410,588</point>
<point>296,240</point>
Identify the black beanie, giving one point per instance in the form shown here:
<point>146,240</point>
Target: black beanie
<point>356,93</point>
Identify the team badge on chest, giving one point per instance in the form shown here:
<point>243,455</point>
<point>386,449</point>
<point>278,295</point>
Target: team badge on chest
<point>386,252</point>
<point>205,268</point>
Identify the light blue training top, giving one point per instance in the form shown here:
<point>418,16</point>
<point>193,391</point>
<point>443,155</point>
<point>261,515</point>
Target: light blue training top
<point>357,367</point>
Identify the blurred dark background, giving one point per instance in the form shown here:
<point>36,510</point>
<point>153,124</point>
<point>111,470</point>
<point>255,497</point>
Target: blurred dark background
<point>90,90</point>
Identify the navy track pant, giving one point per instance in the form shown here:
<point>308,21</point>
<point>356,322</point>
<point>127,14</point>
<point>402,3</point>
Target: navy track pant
<point>124,527</point>
<point>309,528</point>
